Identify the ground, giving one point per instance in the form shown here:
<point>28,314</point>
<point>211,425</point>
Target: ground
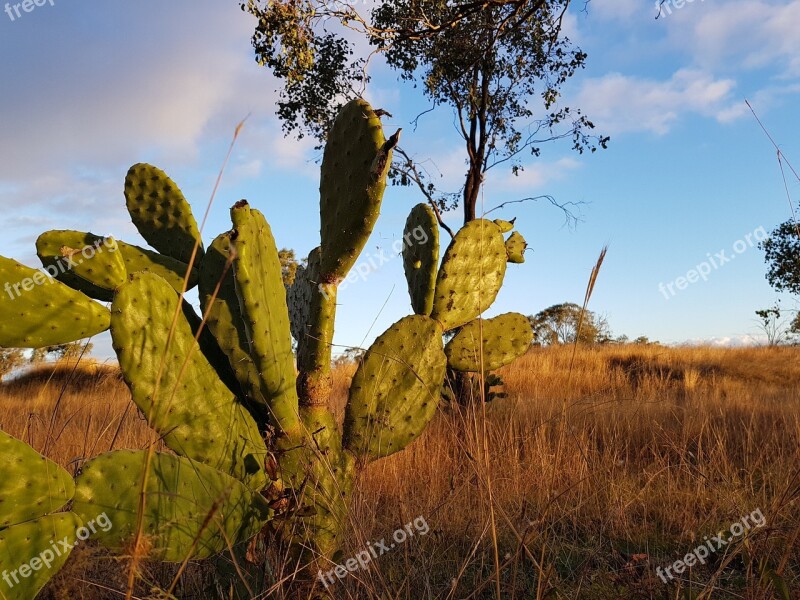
<point>596,474</point>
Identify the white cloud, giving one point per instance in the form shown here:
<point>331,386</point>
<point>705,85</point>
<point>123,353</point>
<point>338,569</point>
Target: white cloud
<point>80,110</point>
<point>619,103</point>
<point>752,34</point>
<point>534,176</point>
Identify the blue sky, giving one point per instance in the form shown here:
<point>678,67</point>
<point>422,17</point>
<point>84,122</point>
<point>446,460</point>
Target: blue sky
<point>90,88</point>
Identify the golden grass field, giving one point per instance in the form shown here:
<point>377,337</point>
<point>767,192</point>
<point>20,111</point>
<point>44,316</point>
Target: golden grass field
<point>592,475</point>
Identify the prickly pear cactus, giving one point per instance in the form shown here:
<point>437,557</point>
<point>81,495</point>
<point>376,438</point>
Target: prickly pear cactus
<point>471,274</point>
<point>250,425</point>
<point>486,345</point>
<point>161,213</point>
<point>190,509</point>
<point>421,257</point>
<point>34,544</point>
<point>515,247</point>
<point>395,390</point>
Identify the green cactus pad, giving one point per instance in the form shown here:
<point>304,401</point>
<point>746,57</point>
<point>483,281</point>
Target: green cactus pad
<point>211,350</point>
<point>314,327</point>
<point>161,213</point>
<point>84,261</point>
<point>299,295</point>
<point>502,339</point>
<point>515,248</point>
<point>134,259</point>
<point>224,316</point>
<point>262,299</point>
<point>421,257</point>
<point>37,311</point>
<point>471,274</point>
<point>32,553</point>
<point>31,485</point>
<point>318,474</point>
<point>173,271</point>
<point>189,406</point>
<point>190,509</point>
<point>505,226</point>
<point>354,168</point>
<point>395,390</point>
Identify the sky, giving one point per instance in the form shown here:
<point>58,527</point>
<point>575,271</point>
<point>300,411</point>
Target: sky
<point>689,182</point>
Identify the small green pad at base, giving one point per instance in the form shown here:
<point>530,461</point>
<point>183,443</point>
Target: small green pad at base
<point>37,311</point>
<point>396,388</point>
<point>31,485</point>
<point>32,553</point>
<point>421,257</point>
<point>471,274</point>
<point>190,509</point>
<point>502,340</point>
<point>161,213</point>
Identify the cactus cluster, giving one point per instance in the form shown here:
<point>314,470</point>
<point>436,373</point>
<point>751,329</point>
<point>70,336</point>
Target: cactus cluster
<point>252,438</point>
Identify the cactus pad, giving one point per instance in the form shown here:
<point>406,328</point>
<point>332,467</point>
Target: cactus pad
<point>33,552</point>
<point>319,474</point>
<point>354,168</point>
<point>421,257</point>
<point>172,270</point>
<point>262,299</point>
<point>505,226</point>
<point>395,390</point>
<point>190,509</point>
<point>300,294</point>
<point>314,326</point>
<point>224,316</point>
<point>515,247</point>
<point>84,261</point>
<point>31,485</point>
<point>161,213</point>
<point>37,311</point>
<point>193,410</point>
<point>502,339</point>
<point>471,274</point>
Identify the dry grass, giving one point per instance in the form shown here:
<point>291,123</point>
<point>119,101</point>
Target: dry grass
<point>660,448</point>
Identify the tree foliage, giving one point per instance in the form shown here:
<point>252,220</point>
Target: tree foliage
<point>559,323</point>
<point>289,265</point>
<point>778,325</point>
<point>782,249</point>
<point>498,66</point>
<point>69,351</point>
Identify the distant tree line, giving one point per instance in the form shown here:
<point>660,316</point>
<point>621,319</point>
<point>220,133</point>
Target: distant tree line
<point>15,358</point>
<point>562,324</point>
